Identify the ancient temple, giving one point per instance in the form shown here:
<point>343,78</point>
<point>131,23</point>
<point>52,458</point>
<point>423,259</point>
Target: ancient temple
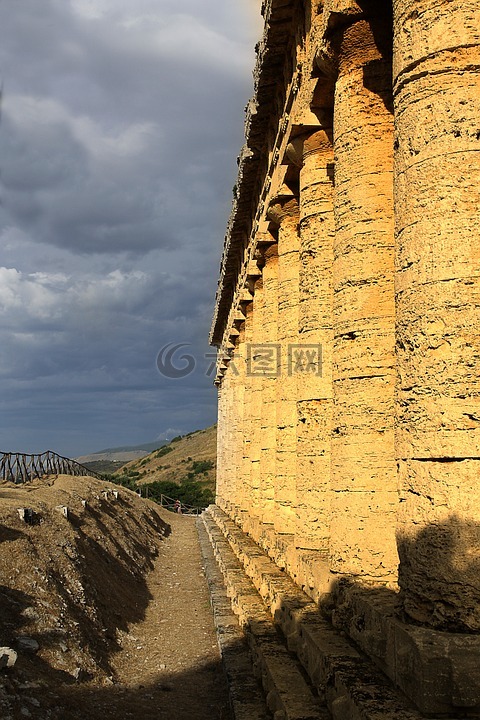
<point>348,330</point>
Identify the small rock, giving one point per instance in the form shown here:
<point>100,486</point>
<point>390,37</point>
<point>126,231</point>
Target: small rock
<point>79,674</point>
<point>8,657</point>
<point>27,644</point>
<point>163,666</point>
<point>25,712</point>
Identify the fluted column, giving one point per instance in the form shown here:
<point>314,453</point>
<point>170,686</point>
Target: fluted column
<point>268,422</point>
<point>437,175</point>
<point>284,213</point>
<point>364,498</point>
<point>314,386</point>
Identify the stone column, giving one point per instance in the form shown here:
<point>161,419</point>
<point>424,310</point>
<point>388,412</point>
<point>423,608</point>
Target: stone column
<point>437,176</point>
<point>284,212</point>
<point>314,386</point>
<point>256,384</point>
<point>220,486</point>
<point>245,441</point>
<point>229,498</point>
<point>268,422</point>
<point>237,372</point>
<point>364,498</point>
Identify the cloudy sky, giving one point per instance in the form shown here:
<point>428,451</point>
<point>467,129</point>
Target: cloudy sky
<point>121,122</point>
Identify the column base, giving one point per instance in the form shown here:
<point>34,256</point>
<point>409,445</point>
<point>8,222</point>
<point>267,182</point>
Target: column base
<point>438,671</point>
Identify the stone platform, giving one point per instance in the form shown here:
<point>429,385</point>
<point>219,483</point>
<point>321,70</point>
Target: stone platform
<point>308,669</point>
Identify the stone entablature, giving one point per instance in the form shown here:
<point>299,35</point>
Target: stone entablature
<point>353,248</point>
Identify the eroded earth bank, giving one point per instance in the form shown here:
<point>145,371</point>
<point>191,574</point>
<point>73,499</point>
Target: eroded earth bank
<point>107,609</point>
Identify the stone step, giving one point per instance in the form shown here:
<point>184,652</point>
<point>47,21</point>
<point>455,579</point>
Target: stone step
<point>246,698</point>
<point>347,682</point>
<point>289,695</point>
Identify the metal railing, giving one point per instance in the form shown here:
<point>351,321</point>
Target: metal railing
<point>176,506</point>
<point>21,468</point>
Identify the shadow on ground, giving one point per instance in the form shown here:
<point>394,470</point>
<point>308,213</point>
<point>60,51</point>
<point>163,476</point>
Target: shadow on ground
<point>199,693</point>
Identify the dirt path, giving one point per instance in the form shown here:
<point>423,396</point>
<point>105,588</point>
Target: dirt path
<point>169,664</point>
<point>95,594</point>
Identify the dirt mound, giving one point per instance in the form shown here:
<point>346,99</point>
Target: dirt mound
<point>73,579</point>
<point>107,606</point>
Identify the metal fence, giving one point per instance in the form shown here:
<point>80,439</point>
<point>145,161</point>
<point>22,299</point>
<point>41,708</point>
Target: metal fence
<point>176,506</point>
<point>21,468</point>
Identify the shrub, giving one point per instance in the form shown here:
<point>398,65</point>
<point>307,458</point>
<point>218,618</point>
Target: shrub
<point>124,481</point>
<point>163,451</point>
<point>189,492</point>
<point>201,466</point>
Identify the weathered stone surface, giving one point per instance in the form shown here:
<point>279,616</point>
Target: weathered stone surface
<point>348,686</point>
<point>363,458</point>
<point>257,382</point>
<point>283,212</point>
<point>268,421</point>
<point>355,228</point>
<point>245,697</point>
<point>314,389</point>
<point>437,176</point>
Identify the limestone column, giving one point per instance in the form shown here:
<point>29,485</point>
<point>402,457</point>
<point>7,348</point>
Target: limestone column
<point>245,474</point>
<point>437,181</point>
<point>256,384</point>
<point>284,212</point>
<point>229,498</point>
<point>268,422</point>
<point>220,485</point>
<point>314,385</point>
<point>237,372</point>
<point>364,498</point>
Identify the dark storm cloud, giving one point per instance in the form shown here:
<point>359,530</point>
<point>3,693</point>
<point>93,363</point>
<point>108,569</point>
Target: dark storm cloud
<point>115,121</point>
<point>120,125</point>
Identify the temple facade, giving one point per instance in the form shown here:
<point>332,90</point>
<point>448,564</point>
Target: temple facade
<point>348,328</point>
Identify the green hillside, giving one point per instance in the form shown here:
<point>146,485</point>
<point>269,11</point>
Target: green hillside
<point>184,468</point>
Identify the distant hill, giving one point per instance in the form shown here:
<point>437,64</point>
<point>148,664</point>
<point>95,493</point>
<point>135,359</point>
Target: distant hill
<point>193,456</point>
<point>121,454</point>
<point>148,447</point>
